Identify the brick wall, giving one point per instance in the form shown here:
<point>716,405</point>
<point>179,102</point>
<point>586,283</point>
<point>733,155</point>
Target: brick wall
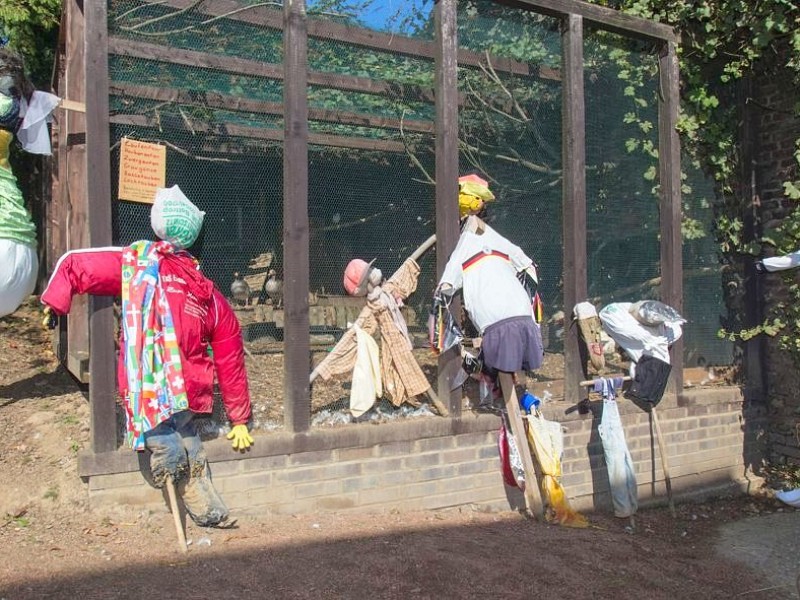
<point>440,463</point>
<point>776,129</point>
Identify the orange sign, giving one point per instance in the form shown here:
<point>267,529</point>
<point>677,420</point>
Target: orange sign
<point>142,169</point>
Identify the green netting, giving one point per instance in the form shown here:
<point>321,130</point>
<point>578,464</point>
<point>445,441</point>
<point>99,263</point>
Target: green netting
<point>206,81</point>
<point>222,126</point>
<point>510,131</point>
<point>622,238</point>
<point>703,301</point>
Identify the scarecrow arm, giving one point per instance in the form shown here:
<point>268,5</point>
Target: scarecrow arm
<point>97,272</point>
<point>228,348</point>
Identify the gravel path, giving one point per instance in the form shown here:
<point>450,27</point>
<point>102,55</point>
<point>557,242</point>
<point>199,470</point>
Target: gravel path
<point>769,544</point>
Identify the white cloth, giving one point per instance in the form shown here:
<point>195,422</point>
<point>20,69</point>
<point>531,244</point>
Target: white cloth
<point>486,266</point>
<point>638,339</point>
<point>19,267</point>
<point>366,384</point>
<point>32,133</point>
<point>781,263</point>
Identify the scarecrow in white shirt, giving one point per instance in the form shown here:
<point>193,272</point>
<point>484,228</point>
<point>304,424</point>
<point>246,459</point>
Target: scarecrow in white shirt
<point>490,271</point>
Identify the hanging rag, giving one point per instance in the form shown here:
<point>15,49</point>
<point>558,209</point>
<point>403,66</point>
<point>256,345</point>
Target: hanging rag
<point>510,459</point>
<point>621,474</point>
<point>547,441</point>
<point>152,357</point>
<point>36,113</point>
<point>366,386</point>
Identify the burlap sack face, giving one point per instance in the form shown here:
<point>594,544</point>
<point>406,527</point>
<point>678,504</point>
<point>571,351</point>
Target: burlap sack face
<point>590,329</point>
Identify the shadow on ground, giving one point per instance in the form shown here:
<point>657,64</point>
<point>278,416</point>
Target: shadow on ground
<point>510,559</point>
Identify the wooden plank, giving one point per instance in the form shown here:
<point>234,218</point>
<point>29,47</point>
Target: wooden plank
<point>72,105</point>
<point>447,176</point>
<point>254,68</point>
<point>98,171</point>
<point>533,498</point>
<point>574,197</point>
<point>297,354</point>
<point>753,360</point>
<point>669,162</point>
<point>263,16</point>
<point>74,199</point>
<point>235,103</point>
<point>600,16</point>
<point>227,129</point>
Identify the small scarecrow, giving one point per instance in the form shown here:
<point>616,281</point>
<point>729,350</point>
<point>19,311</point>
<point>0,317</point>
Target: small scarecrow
<point>177,332</point>
<point>391,370</point>
<point>491,271</point>
<point>24,112</point>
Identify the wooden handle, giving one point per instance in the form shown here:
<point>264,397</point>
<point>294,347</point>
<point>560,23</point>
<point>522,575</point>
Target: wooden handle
<point>591,381</point>
<point>176,515</point>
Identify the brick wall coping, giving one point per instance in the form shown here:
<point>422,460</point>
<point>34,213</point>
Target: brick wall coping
<point>367,435</point>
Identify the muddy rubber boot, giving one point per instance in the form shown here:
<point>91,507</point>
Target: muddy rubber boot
<point>201,499</point>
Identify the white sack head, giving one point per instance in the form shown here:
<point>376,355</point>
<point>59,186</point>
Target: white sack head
<point>174,218</point>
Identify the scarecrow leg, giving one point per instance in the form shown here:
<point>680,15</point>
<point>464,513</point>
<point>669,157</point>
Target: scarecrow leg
<point>532,497</point>
<point>664,463</point>
<point>176,515</point>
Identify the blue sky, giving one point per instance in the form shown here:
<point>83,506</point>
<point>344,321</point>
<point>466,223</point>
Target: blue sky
<point>379,14</point>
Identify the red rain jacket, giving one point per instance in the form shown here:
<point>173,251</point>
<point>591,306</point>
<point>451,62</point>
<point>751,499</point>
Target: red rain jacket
<point>197,324</point>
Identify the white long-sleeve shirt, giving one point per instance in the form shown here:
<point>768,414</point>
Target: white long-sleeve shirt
<point>486,266</point>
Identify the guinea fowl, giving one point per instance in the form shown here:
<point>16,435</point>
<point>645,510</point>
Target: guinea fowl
<point>240,290</point>
<point>274,288</point>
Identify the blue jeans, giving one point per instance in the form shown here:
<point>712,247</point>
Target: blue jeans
<point>621,474</point>
<point>177,452</point>
<point>176,448</point>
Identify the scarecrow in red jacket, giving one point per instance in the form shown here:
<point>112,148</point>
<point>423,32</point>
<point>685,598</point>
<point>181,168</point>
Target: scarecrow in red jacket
<point>177,330</point>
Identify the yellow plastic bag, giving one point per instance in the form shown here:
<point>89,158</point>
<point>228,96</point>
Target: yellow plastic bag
<point>547,442</point>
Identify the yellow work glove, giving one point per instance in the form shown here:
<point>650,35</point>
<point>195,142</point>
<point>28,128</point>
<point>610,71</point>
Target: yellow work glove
<point>242,439</point>
<point>49,318</point>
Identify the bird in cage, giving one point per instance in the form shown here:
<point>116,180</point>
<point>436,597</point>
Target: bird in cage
<point>274,288</point>
<point>240,290</point>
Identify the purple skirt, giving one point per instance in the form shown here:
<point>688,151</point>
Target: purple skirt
<point>513,344</point>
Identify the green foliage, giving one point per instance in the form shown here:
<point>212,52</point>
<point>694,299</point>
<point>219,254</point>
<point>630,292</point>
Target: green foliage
<point>32,28</point>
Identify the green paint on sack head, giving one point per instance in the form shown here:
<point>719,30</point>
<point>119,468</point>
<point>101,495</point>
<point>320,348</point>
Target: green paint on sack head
<point>174,218</point>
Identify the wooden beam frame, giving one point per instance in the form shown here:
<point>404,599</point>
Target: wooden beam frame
<point>102,368</point>
<point>608,19</point>
<point>669,163</point>
<point>297,354</point>
<point>235,103</point>
<point>447,174</point>
<point>270,17</point>
<point>257,133</point>
<point>573,137</point>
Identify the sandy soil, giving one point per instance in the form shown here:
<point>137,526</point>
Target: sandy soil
<point>52,546</point>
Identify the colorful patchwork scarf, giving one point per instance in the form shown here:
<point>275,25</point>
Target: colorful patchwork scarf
<point>156,387</point>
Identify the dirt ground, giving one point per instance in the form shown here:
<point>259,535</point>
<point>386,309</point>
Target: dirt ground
<point>52,546</point>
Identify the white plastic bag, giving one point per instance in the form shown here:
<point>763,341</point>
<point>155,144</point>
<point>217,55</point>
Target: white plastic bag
<point>636,338</point>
